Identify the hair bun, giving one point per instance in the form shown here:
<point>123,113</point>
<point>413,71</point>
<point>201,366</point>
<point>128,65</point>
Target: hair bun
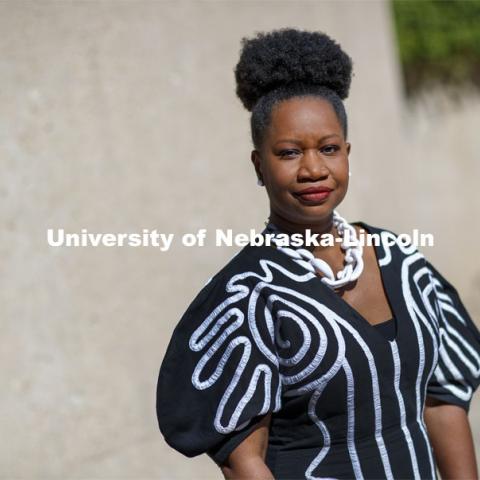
<point>285,56</point>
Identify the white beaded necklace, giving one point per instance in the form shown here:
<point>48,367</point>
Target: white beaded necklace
<point>353,255</point>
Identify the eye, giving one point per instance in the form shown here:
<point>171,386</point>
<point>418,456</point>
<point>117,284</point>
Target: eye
<point>288,153</point>
<point>330,149</point>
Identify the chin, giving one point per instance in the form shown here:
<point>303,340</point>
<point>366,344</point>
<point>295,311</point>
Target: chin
<point>321,209</point>
<point>312,215</point>
<point>318,210</point>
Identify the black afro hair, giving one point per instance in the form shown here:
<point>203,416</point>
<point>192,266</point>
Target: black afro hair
<point>289,56</point>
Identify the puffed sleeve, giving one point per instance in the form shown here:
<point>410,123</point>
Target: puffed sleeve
<point>219,376</point>
<point>457,374</point>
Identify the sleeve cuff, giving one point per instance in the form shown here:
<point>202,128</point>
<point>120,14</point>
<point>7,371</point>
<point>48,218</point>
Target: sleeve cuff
<point>220,453</point>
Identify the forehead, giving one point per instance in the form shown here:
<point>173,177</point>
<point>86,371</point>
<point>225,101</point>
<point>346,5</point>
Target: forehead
<point>304,116</point>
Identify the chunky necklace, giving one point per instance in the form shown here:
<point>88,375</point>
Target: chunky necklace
<point>353,255</point>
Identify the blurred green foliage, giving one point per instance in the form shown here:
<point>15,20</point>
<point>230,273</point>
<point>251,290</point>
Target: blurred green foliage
<point>438,41</point>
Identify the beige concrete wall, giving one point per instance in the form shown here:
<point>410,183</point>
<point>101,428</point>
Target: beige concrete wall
<point>121,115</point>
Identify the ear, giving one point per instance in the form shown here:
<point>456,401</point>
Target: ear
<point>349,147</point>
<point>255,159</point>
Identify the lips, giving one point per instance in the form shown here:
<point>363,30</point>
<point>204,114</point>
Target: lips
<point>313,194</point>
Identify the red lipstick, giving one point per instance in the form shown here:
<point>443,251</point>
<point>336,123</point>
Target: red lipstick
<point>314,194</point>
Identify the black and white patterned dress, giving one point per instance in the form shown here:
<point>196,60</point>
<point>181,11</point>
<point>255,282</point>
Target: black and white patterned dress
<point>264,335</point>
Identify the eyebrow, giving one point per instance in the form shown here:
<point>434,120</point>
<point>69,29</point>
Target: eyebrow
<point>293,140</point>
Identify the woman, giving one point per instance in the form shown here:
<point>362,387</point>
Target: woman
<point>331,360</point>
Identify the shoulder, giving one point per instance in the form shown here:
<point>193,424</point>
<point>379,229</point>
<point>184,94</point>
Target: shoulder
<point>250,273</point>
<point>413,237</point>
<point>243,268</point>
<point>245,261</point>
<point>391,245</point>
<point>374,229</point>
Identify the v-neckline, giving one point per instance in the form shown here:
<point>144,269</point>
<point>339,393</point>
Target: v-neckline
<point>384,279</point>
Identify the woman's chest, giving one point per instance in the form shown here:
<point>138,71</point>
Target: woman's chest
<point>367,295</point>
<point>323,341</point>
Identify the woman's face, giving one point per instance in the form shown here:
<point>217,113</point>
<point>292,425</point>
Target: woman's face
<point>303,162</point>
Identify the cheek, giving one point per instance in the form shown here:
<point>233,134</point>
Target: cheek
<point>340,169</point>
<point>282,176</point>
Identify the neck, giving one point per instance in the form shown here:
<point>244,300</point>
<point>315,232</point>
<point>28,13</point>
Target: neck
<point>321,226</point>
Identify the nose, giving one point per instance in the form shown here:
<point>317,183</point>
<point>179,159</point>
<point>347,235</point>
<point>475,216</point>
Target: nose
<point>312,166</point>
